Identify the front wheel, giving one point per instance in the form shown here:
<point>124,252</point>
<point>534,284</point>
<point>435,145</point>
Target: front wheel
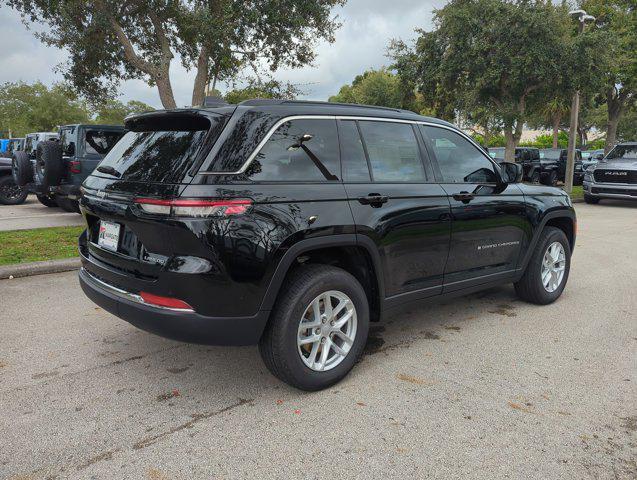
<point>10,193</point>
<point>47,200</point>
<point>591,200</point>
<point>318,328</point>
<point>535,177</point>
<point>547,272</point>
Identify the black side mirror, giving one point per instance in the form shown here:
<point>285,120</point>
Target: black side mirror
<point>511,172</point>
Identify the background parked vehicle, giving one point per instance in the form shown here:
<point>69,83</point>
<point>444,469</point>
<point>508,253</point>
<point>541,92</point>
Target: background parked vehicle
<point>4,146</point>
<point>615,176</point>
<point>591,157</point>
<point>554,165</point>
<point>10,192</point>
<point>23,159</point>
<point>527,156</point>
<point>295,224</point>
<point>59,166</point>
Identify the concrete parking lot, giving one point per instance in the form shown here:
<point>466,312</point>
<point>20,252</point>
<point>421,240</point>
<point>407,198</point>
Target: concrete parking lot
<point>32,214</point>
<point>480,387</point>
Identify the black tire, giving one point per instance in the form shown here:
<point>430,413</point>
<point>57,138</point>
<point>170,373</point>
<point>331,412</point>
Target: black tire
<point>10,193</point>
<point>67,204</point>
<point>278,345</point>
<point>530,287</point>
<point>591,200</point>
<point>550,178</point>
<point>21,168</point>
<point>49,165</point>
<point>46,200</point>
<point>535,177</point>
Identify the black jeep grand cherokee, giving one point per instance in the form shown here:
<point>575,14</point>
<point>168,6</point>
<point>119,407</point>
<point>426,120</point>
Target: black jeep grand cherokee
<point>295,224</point>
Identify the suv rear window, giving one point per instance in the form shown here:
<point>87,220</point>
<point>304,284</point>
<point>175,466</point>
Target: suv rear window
<point>161,151</point>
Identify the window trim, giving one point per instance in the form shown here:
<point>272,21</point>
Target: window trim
<point>434,158</point>
<point>289,118</point>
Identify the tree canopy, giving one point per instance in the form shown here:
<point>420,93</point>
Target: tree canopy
<point>113,40</point>
<point>36,108</point>
<point>617,19</point>
<point>257,88</point>
<point>505,57</point>
<point>380,88</point>
<point>113,112</point>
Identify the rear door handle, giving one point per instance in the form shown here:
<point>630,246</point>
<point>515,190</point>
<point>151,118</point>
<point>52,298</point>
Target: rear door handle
<point>464,197</point>
<point>373,199</point>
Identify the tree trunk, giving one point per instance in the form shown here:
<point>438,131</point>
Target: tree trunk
<point>611,132</point>
<point>201,79</point>
<point>512,135</point>
<point>557,118</point>
<point>165,90</point>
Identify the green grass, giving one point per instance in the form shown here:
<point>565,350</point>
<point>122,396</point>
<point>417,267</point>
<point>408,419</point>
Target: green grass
<point>577,193</point>
<point>21,246</point>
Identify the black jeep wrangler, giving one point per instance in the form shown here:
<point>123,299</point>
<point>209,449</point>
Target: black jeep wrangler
<point>528,157</point>
<point>295,224</point>
<point>10,193</point>
<point>54,169</point>
<point>554,163</point>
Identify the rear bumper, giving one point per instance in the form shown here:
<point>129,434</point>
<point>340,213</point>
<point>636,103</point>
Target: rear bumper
<point>185,326</point>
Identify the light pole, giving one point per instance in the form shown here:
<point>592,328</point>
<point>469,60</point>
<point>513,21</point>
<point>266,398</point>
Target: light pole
<point>582,17</point>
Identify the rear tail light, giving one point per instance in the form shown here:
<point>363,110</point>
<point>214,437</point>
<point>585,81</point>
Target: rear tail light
<point>75,166</point>
<point>165,302</point>
<point>193,207</point>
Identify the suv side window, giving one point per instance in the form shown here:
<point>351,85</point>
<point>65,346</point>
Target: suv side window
<point>392,148</point>
<point>355,166</point>
<point>299,150</point>
<point>459,161</point>
<point>100,142</point>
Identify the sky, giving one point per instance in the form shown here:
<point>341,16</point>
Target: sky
<point>361,43</point>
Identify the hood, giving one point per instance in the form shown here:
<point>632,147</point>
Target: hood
<point>629,164</point>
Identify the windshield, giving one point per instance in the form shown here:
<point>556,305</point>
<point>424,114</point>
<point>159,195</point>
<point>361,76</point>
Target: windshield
<point>552,154</point>
<point>496,152</point>
<point>158,156</point>
<point>623,152</point>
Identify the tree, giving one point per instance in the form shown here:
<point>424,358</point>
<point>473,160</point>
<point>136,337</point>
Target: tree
<point>36,108</point>
<point>113,40</point>
<point>505,57</point>
<point>257,88</point>
<point>618,18</point>
<point>380,88</point>
<point>113,112</point>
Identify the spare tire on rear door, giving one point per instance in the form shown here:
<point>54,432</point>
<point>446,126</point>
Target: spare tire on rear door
<point>49,165</point>
<point>21,168</point>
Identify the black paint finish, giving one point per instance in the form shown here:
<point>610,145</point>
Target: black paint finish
<point>421,239</point>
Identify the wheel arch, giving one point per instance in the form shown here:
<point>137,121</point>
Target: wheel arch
<point>564,219</point>
<point>350,252</point>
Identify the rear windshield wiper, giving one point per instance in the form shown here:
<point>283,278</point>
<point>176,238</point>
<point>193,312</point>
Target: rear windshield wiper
<point>109,170</point>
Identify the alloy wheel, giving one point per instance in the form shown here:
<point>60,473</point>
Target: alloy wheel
<point>553,267</point>
<point>327,331</point>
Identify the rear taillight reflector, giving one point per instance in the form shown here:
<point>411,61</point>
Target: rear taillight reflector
<point>193,207</point>
<point>75,166</point>
<point>165,302</point>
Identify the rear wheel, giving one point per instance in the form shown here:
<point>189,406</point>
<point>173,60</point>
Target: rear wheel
<point>547,272</point>
<point>318,328</point>
<point>10,193</point>
<point>46,200</point>
<point>591,200</point>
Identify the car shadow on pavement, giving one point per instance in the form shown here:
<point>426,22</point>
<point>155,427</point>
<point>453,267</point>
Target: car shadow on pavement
<point>239,372</point>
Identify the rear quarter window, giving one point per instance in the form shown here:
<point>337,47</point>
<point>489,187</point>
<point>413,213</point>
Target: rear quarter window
<point>299,150</point>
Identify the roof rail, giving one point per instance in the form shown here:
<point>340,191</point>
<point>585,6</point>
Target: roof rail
<point>258,102</point>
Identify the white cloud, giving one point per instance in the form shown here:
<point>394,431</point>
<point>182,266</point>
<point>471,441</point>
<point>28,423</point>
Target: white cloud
<point>361,43</point>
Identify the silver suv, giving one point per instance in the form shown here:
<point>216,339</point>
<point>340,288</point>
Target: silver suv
<point>614,176</point>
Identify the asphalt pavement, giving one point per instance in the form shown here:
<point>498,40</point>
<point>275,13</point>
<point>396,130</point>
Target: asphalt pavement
<point>32,214</point>
<point>479,387</point>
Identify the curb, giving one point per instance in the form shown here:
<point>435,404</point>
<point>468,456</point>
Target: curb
<point>39,268</point>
